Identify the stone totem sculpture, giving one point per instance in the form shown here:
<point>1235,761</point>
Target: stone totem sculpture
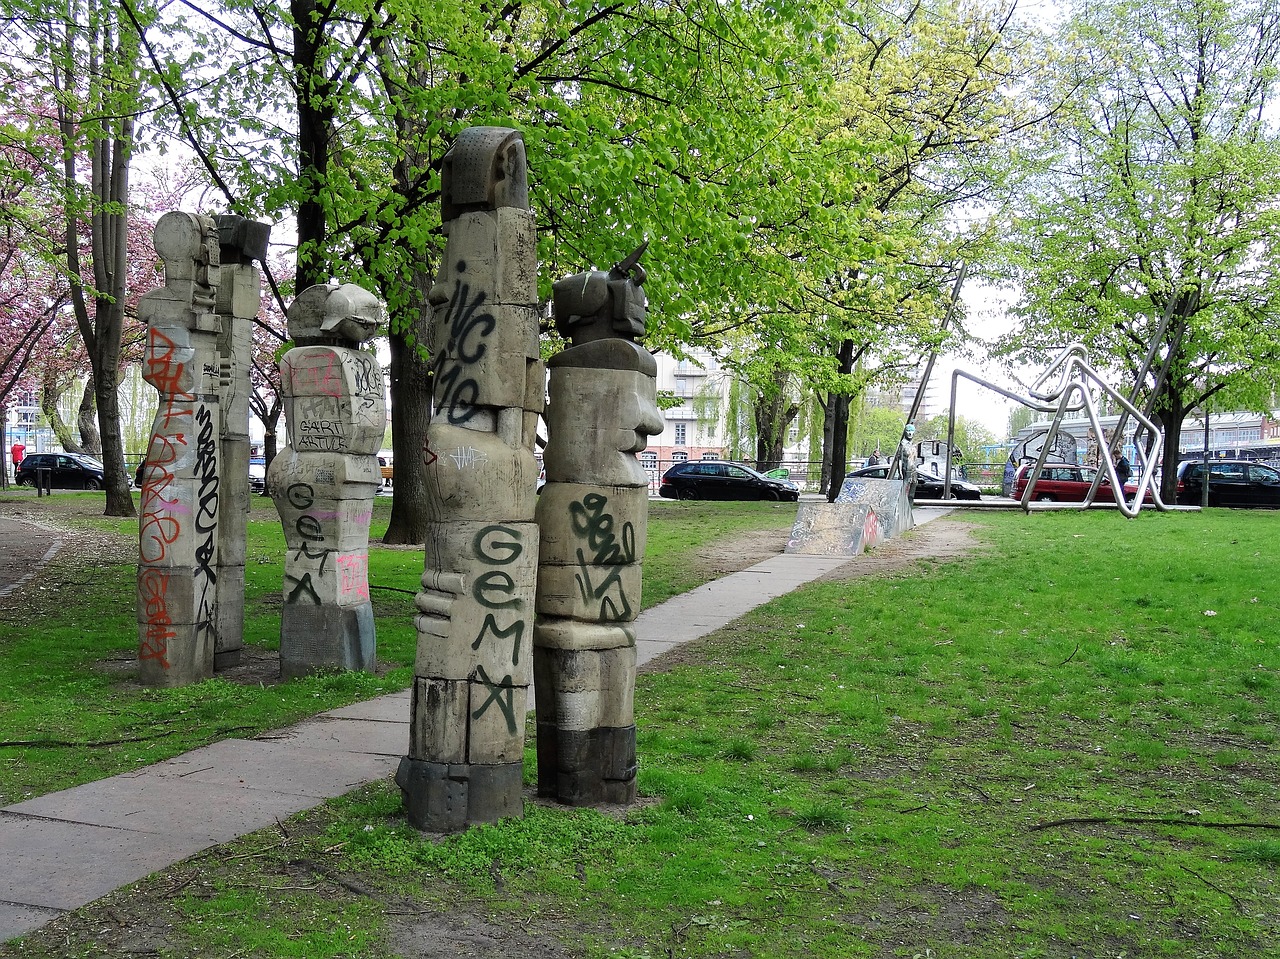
<point>240,241</point>
<point>593,517</point>
<point>178,526</point>
<point>476,607</point>
<point>323,482</point>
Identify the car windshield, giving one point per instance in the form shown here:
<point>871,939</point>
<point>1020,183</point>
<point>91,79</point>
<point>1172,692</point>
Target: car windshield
<point>87,460</point>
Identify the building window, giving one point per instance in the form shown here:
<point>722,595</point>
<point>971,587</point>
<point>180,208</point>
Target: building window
<point>649,460</point>
<point>710,456</point>
<point>679,456</point>
<point>681,434</point>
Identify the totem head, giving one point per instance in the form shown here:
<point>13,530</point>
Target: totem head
<point>598,304</point>
<point>242,240</point>
<point>346,315</point>
<point>484,169</point>
<point>602,412</point>
<point>188,244</point>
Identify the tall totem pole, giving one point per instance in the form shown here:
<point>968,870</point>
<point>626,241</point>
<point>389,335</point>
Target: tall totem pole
<point>476,607</point>
<point>324,480</point>
<point>178,525</point>
<point>240,242</point>
<point>593,516</point>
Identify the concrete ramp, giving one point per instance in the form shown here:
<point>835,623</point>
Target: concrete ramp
<point>887,498</point>
<point>834,529</point>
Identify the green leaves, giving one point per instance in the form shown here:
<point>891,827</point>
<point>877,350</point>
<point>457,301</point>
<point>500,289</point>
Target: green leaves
<point>1158,195</point>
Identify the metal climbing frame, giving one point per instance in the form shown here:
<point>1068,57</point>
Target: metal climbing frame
<point>1067,386</point>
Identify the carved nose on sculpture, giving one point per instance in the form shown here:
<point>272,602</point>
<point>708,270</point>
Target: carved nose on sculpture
<point>652,424</point>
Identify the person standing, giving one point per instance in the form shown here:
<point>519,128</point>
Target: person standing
<point>1123,470</point>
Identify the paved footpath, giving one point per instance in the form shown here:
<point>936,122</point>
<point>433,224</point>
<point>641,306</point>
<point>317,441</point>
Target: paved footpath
<point>66,849</point>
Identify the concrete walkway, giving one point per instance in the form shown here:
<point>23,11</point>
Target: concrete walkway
<point>66,849</point>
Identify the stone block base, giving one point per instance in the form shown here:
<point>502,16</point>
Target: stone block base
<point>227,659</point>
<point>587,767</point>
<point>449,797</point>
<point>230,641</point>
<point>315,638</point>
<point>184,655</point>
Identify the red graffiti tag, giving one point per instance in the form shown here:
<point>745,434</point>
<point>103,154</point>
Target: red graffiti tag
<point>316,380</point>
<point>153,588</point>
<point>162,371</point>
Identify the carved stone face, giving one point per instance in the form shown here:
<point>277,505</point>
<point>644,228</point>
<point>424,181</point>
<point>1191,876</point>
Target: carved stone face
<point>597,421</point>
<point>641,418</point>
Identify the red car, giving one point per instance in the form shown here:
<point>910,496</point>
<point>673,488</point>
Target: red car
<point>1061,483</point>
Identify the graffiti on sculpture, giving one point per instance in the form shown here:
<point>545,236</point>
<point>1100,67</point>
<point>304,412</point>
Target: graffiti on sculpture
<point>323,482</point>
<point>593,516</point>
<point>464,348</point>
<point>473,669</point>
<point>194,505</point>
<point>594,526</point>
<point>178,531</point>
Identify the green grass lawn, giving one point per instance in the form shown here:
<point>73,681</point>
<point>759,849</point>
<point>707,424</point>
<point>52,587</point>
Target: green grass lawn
<point>1063,745</point>
<point>70,713</point>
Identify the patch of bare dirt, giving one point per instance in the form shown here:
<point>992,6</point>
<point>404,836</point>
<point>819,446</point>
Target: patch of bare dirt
<point>740,552</point>
<point>939,541</point>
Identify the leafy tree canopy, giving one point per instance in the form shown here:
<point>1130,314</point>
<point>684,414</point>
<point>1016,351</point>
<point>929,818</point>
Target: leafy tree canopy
<point>1159,198</point>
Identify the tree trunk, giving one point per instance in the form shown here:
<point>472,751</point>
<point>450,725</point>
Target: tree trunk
<point>410,417</point>
<point>315,133</point>
<point>269,441</point>
<point>50,395</point>
<point>113,92</point>
<point>410,381</point>
<point>839,463</point>
<point>774,415</point>
<point>774,412</point>
<point>839,421</point>
<point>4,442</point>
<point>87,421</point>
<point>828,421</point>
<point>1170,417</point>
<point>119,496</point>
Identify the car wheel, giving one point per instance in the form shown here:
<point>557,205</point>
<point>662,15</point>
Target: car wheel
<point>1044,498</point>
<point>92,484</point>
<point>773,496</point>
<point>688,493</point>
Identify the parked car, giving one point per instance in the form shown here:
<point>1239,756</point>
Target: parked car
<point>716,479</point>
<point>67,470</point>
<point>928,486</point>
<point>257,476</point>
<point>1063,483</point>
<point>1234,483</point>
